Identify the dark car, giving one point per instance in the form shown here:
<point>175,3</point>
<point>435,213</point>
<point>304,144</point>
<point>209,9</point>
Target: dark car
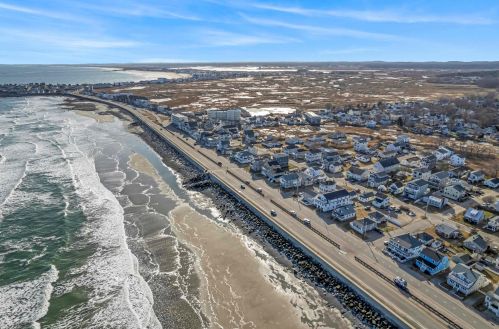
<point>219,163</point>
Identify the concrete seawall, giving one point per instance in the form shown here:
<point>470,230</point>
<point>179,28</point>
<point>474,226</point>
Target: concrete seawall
<point>260,214</point>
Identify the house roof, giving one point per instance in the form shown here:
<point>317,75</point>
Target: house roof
<point>423,236</point>
<point>356,170</point>
<point>440,175</point>
<point>291,176</point>
<point>446,228</point>
<point>407,241</point>
<point>433,254</point>
<point>367,194</point>
<point>478,240</point>
<point>377,215</point>
<point>336,194</point>
<point>419,182</point>
<point>389,162</point>
<point>364,222</point>
<point>473,213</point>
<point>345,210</point>
<point>466,271</point>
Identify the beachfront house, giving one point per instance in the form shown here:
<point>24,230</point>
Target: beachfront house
<point>466,280</point>
<point>404,247</point>
<point>432,261</point>
<point>362,226</point>
<point>416,189</point>
<point>396,188</point>
<point>332,200</point>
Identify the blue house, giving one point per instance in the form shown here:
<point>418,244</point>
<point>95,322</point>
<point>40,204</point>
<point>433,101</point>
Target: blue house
<point>432,261</point>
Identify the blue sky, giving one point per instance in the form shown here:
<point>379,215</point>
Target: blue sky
<point>111,31</point>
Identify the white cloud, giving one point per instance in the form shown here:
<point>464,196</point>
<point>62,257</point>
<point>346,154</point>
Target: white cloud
<point>321,30</point>
<point>388,16</point>
<point>42,13</point>
<point>222,38</point>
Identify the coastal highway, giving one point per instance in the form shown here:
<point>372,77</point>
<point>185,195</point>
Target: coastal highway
<point>408,313</point>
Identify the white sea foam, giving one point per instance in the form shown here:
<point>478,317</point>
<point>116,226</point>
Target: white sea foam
<point>24,303</point>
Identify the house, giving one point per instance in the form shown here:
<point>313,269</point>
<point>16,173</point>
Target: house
<point>493,183</point>
<point>282,159</point>
<point>403,139</point>
<point>387,165</point>
<point>344,213</point>
<point>425,238</point>
<point>404,247</point>
<point>357,174</point>
<point>443,153</point>
<point>416,189</point>
<point>313,155</point>
<point>291,180</point>
<point>476,176</point>
<point>332,200</point>
<point>428,161</point>
<point>335,166</point>
<point>432,261</point>
<point>492,302</point>
<point>493,224</point>
<point>439,179</point>
<point>396,188</point>
<point>436,201</point>
<point>381,200</point>
<point>476,243</point>
<point>387,154</point>
<point>327,185</point>
<point>378,179</point>
<point>272,170</point>
<point>312,175</point>
<point>457,160</point>
<point>291,150</point>
<point>393,147</point>
<point>243,157</point>
<point>366,197</point>
<point>447,231</point>
<point>360,145</point>
<point>362,226</point>
<point>223,146</point>
<point>466,280</point>
<point>421,173</point>
<point>474,216</point>
<point>377,217</point>
<point>249,136</point>
<point>455,192</point>
<point>313,118</point>
<point>364,158</point>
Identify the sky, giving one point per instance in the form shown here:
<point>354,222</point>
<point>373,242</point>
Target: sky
<point>175,31</point>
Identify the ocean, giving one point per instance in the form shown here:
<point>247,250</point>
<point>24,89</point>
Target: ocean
<point>97,231</point>
<point>74,74</point>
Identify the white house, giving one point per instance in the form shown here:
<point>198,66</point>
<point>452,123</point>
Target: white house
<point>313,156</point>
<point>387,165</point>
<point>465,279</point>
<point>454,192</point>
<point>357,174</point>
<point>362,226</point>
<point>439,179</point>
<point>493,224</point>
<point>381,200</point>
<point>396,188</point>
<point>243,157</point>
<point>378,179</point>
<point>332,200</point>
<point>404,247</point>
<point>360,145</point>
<point>492,183</point>
<point>416,189</point>
<point>457,160</point>
<point>443,153</point>
<point>327,185</point>
<point>312,175</point>
<point>476,176</point>
<point>447,231</point>
<point>291,180</point>
<point>421,173</point>
<point>366,197</point>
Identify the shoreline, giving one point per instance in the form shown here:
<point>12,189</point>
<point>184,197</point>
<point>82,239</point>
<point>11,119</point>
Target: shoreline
<point>338,295</point>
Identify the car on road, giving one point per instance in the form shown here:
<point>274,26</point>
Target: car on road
<point>400,282</point>
<point>259,190</point>
<point>307,222</point>
<point>293,213</point>
<point>219,163</point>
<point>273,212</point>
<point>247,182</point>
<point>242,187</point>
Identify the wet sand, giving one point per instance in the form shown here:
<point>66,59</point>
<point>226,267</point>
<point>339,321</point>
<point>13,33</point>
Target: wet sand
<point>241,286</point>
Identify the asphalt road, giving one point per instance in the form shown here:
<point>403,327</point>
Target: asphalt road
<point>407,310</point>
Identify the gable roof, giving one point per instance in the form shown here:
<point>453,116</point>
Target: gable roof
<point>336,195</point>
<point>389,162</point>
<point>407,241</point>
